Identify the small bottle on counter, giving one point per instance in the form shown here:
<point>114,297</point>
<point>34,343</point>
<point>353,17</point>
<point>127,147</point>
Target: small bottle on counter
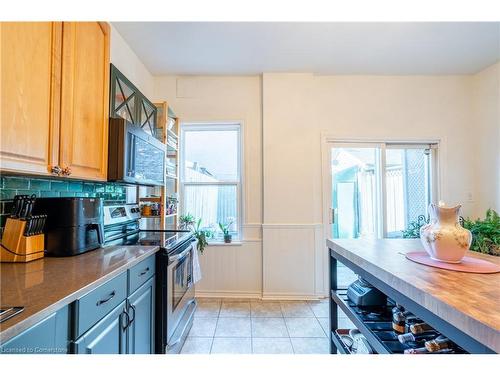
<point>410,337</point>
<point>420,328</point>
<point>438,344</point>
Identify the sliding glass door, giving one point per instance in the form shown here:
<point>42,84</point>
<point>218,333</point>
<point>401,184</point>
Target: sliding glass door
<point>378,189</point>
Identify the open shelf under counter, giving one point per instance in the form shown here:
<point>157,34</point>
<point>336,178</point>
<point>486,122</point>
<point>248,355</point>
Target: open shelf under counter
<point>339,344</point>
<point>340,299</point>
<point>460,306</point>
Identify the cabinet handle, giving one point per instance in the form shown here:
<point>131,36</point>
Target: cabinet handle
<point>57,170</point>
<point>128,320</point>
<point>144,272</point>
<point>66,171</point>
<point>113,293</point>
<point>133,316</point>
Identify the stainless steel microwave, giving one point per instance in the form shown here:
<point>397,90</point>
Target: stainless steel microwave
<point>134,156</point>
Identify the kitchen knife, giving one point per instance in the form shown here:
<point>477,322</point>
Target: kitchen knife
<point>28,227</point>
<point>39,222</point>
<point>18,205</point>
<point>42,226</point>
<point>35,219</point>
<point>27,206</point>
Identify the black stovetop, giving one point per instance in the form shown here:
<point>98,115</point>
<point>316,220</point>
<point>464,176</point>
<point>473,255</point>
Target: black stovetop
<point>168,239</point>
<point>129,234</point>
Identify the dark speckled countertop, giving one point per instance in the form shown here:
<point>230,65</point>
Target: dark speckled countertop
<point>44,286</point>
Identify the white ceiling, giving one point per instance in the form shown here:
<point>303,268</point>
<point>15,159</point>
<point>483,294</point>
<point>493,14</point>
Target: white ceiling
<point>323,48</point>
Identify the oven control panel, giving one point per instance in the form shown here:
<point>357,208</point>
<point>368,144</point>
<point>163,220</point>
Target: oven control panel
<point>121,213</point>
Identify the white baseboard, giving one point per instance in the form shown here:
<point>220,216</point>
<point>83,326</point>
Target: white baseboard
<point>228,294</point>
<point>289,297</point>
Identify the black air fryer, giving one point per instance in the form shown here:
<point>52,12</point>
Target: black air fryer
<point>73,226</point>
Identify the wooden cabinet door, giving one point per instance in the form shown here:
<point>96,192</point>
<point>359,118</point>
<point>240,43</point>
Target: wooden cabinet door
<point>84,99</point>
<point>30,54</point>
<point>142,312</point>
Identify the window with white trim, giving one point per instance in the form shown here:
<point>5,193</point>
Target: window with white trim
<point>211,175</point>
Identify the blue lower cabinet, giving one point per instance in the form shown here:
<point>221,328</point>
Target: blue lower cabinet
<point>141,309</point>
<point>49,336</point>
<point>108,336</point>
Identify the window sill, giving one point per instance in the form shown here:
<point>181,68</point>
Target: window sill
<point>221,243</point>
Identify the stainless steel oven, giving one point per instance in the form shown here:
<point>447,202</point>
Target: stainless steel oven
<point>180,294</point>
<point>176,302</point>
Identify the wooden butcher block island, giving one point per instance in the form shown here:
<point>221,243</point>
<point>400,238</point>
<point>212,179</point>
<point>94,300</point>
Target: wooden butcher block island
<point>464,307</point>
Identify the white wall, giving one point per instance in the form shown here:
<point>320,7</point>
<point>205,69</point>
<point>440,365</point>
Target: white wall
<point>227,270</point>
<point>299,108</point>
<point>486,130</point>
<point>122,56</point>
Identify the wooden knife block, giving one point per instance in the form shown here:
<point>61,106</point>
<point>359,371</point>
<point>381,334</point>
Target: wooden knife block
<point>20,248</point>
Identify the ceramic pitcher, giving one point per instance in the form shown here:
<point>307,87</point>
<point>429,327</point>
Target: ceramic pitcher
<point>444,238</point>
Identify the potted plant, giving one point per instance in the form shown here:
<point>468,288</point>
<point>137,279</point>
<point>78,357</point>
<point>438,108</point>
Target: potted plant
<point>225,230</point>
<point>485,233</point>
<point>202,236</point>
<point>187,221</point>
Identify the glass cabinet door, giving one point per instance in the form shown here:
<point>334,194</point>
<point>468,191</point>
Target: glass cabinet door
<point>123,99</point>
<point>147,118</point>
<point>129,103</point>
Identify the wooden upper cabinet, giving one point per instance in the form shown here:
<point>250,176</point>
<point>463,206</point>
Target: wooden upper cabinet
<point>85,100</point>
<point>30,55</point>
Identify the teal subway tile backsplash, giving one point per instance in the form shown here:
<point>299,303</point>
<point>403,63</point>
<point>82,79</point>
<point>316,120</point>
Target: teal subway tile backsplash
<point>15,183</point>
<point>42,185</point>
<point>50,188</point>
<point>59,185</point>
<point>75,186</point>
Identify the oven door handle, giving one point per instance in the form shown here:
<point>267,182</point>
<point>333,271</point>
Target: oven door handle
<point>181,255</point>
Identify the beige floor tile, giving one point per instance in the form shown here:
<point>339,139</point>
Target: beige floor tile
<point>321,309</point>
<point>232,345</point>
<point>203,327</point>
<point>269,327</point>
<point>233,327</point>
<point>266,309</point>
<point>304,327</point>
<point>197,345</point>
<point>234,309</point>
<point>207,309</point>
<point>311,345</point>
<point>325,324</point>
<point>272,346</point>
<point>297,309</point>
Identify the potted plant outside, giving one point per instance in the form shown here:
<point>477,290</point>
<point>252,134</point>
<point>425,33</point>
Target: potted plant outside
<point>225,230</point>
